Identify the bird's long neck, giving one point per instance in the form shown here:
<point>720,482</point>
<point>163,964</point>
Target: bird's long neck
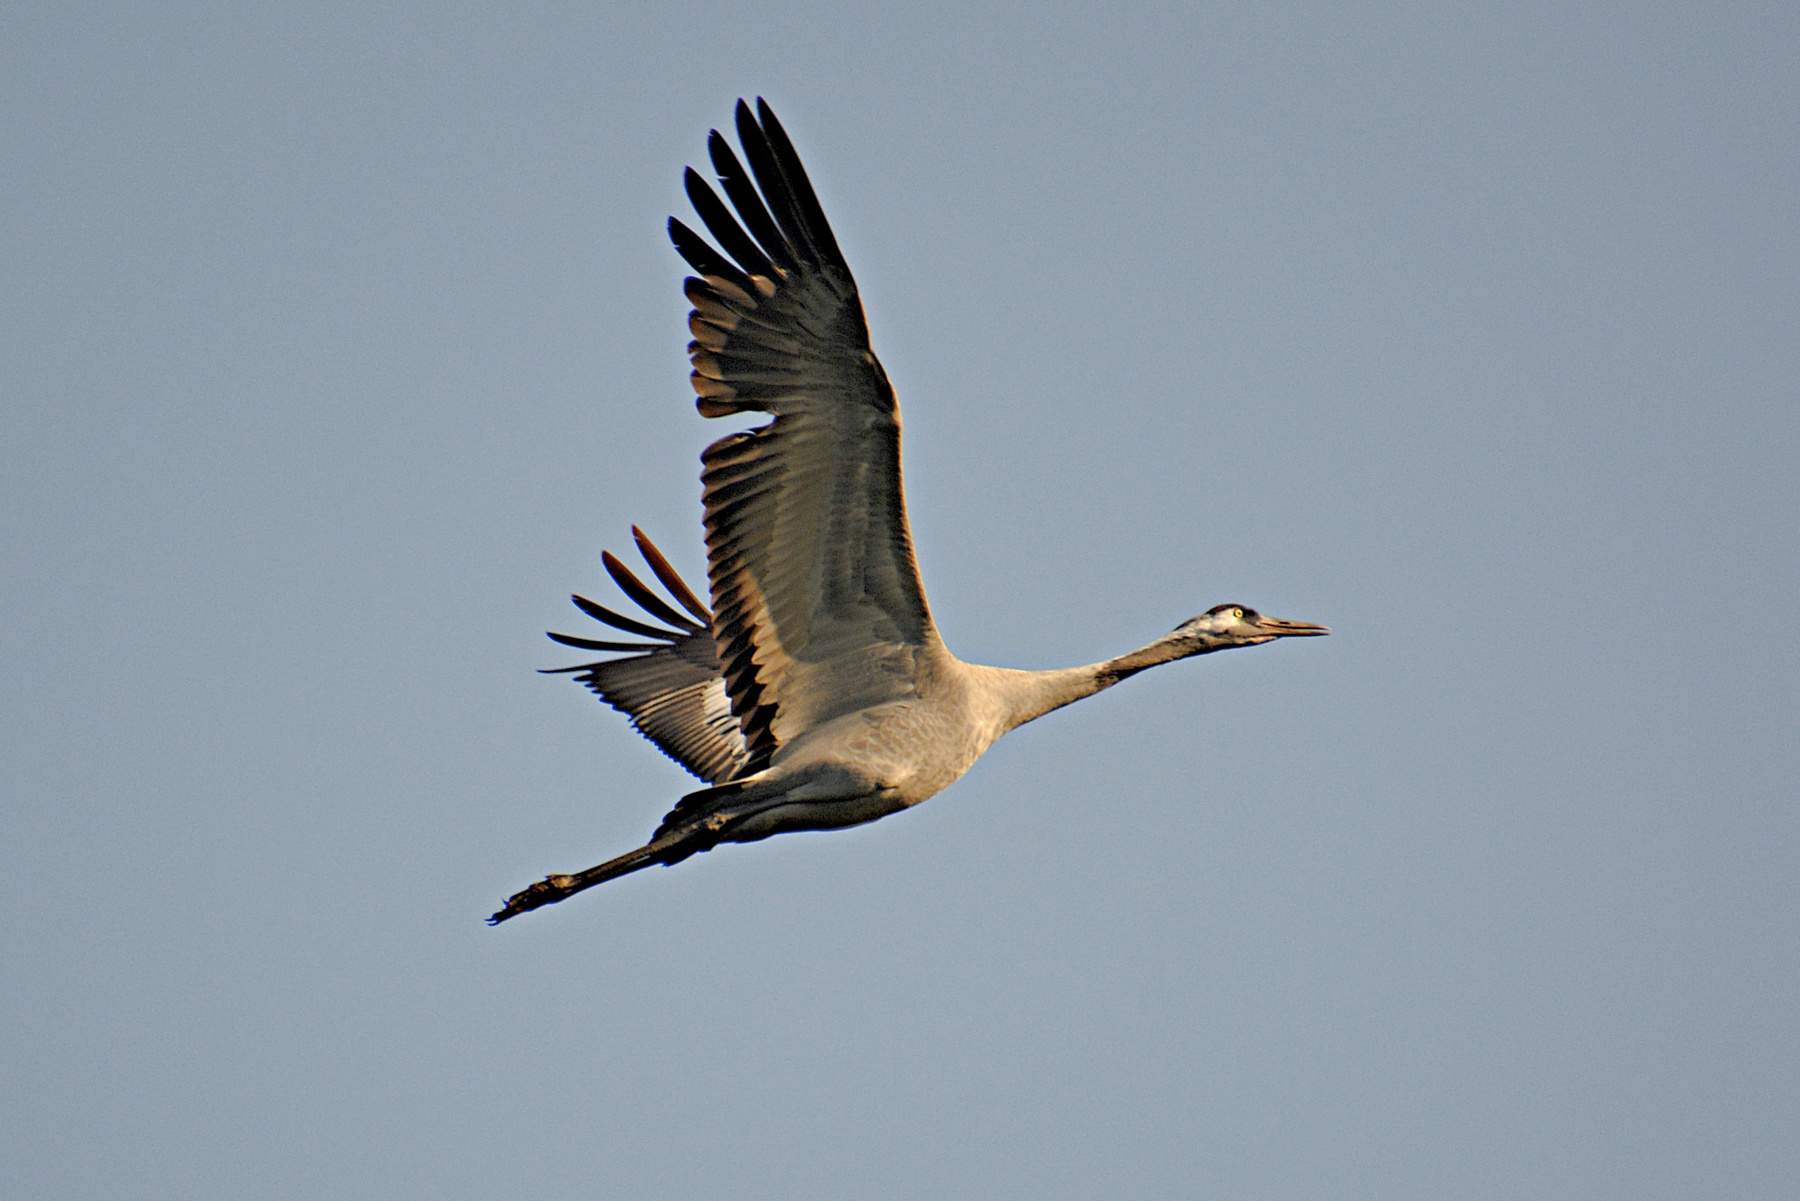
<point>1022,696</point>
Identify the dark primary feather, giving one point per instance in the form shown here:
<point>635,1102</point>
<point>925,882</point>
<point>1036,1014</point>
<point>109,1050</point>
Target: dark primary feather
<point>733,240</point>
<point>717,270</point>
<point>646,600</point>
<point>674,583</point>
<point>671,689</point>
<point>617,621</point>
<point>798,192</point>
<point>589,644</point>
<point>742,190</point>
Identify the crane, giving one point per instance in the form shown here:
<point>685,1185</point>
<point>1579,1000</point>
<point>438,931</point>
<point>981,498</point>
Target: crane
<point>814,693</point>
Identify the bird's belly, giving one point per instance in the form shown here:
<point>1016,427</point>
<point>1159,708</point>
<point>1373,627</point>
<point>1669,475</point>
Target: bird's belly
<point>906,750</point>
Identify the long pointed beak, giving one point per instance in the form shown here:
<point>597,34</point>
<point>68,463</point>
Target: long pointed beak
<point>1290,629</point>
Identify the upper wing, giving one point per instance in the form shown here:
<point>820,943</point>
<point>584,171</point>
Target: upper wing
<point>675,694</point>
<point>818,609</point>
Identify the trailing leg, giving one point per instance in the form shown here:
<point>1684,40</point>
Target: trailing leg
<point>670,847</point>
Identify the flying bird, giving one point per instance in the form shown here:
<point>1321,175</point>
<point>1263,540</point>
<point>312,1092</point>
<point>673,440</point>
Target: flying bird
<point>814,692</point>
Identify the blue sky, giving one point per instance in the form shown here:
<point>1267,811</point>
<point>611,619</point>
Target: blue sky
<point>337,342</point>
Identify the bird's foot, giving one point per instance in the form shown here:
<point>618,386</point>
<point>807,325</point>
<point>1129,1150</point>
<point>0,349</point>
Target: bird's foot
<point>547,891</point>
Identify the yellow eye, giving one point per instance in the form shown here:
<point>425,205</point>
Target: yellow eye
<point>1238,613</point>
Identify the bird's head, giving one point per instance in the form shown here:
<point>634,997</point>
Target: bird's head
<point>1224,626</point>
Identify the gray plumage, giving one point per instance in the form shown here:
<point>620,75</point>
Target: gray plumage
<point>815,693</point>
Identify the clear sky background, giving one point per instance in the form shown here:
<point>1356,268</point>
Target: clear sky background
<point>336,341</point>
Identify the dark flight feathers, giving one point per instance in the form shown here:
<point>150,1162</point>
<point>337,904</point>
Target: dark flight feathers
<point>671,688</point>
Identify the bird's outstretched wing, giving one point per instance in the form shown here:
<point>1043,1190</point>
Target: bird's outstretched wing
<point>818,609</point>
<point>674,693</point>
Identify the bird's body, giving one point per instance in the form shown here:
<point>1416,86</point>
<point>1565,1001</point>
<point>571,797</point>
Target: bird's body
<point>815,692</point>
